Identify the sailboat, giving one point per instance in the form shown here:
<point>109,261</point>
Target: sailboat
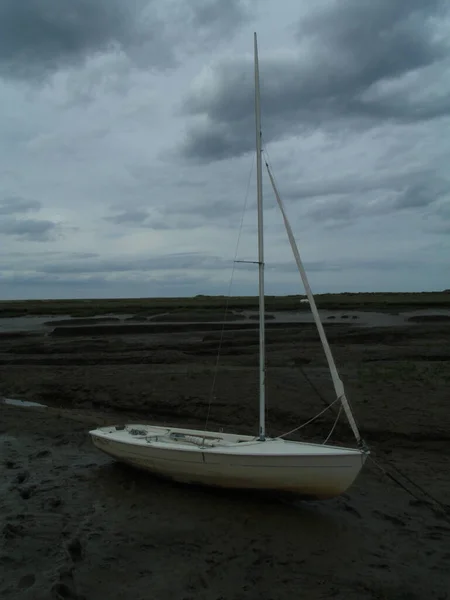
<point>230,460</point>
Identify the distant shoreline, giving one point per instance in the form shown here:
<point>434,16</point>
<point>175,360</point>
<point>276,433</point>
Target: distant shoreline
<point>381,301</point>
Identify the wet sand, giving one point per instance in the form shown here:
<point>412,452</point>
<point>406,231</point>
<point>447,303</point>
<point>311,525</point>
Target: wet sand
<point>75,524</point>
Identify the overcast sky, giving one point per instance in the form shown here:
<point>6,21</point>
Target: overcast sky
<point>127,145</point>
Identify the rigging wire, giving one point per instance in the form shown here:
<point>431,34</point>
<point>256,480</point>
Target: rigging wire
<point>310,420</point>
<point>227,303</point>
<point>337,382</point>
<point>314,387</point>
<point>334,426</point>
<point>432,501</point>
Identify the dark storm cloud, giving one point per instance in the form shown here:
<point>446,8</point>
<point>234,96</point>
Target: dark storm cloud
<point>41,35</point>
<point>218,17</point>
<point>351,55</point>
<point>37,37</point>
<point>422,194</point>
<point>34,230</point>
<point>16,205</point>
<point>376,40</point>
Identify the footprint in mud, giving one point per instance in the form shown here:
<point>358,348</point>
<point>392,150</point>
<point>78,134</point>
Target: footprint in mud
<point>382,566</point>
<point>52,502</point>
<point>351,509</point>
<point>418,502</point>
<point>442,528</point>
<point>65,588</point>
<point>12,530</point>
<point>61,441</point>
<point>75,550</point>
<point>11,464</point>
<point>391,518</point>
<point>26,492</point>
<point>22,477</point>
<point>437,532</point>
<point>26,581</point>
<point>40,454</point>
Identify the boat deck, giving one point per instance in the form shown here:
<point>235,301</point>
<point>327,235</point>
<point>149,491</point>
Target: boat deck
<point>212,442</point>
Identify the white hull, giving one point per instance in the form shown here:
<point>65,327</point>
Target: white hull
<point>233,461</point>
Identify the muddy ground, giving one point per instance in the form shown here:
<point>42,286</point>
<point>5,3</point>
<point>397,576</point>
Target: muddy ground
<point>74,524</point>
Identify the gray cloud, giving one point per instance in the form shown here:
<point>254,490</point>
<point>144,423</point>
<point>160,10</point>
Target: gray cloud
<point>142,218</point>
<point>181,275</point>
<point>346,264</point>
<point>73,266</point>
<point>421,195</point>
<point>38,37</point>
<point>75,275</point>
<point>440,228</point>
<point>351,65</point>
<point>29,229</point>
<point>131,216</point>
<point>356,184</point>
<point>375,41</point>
<point>192,203</point>
<point>51,279</point>
<point>437,219</point>
<point>182,261</point>
<point>54,286</point>
<point>16,205</point>
<point>184,215</point>
<point>216,19</point>
<point>42,35</point>
<point>443,210</point>
<point>424,194</point>
<point>18,263</point>
<point>7,258</point>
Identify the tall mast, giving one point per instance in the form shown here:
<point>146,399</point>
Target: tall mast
<point>262,360</point>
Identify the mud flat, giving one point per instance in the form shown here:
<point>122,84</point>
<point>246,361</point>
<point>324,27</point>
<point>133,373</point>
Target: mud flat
<point>74,524</point>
